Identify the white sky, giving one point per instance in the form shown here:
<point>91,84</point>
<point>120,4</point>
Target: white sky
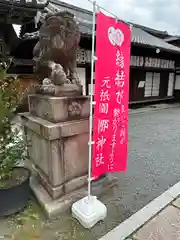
<point>17,29</point>
<point>159,14</point>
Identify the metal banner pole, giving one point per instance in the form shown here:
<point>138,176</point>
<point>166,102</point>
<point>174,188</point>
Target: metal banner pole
<point>91,101</point>
<point>89,210</point>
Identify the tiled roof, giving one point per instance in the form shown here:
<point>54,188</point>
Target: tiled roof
<point>22,3</point>
<point>154,32</point>
<point>141,37</point>
<point>172,38</point>
<point>56,6</point>
<point>20,11</point>
<point>84,18</point>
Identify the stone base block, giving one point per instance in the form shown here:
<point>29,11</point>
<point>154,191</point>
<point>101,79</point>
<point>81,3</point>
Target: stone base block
<point>56,192</point>
<point>59,109</point>
<point>58,153</point>
<point>53,208</point>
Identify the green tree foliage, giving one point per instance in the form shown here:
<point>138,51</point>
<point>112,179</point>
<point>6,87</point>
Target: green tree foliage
<point>12,144</point>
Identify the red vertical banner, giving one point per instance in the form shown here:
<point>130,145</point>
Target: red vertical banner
<point>110,128</point>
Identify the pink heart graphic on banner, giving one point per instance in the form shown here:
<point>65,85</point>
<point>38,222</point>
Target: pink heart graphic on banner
<point>116,36</point>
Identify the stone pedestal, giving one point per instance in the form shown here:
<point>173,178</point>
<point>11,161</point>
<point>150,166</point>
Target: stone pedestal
<point>57,130</point>
<point>59,109</point>
<point>58,153</point>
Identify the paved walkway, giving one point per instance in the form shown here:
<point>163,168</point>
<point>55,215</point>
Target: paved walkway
<point>159,220</point>
<point>165,225</point>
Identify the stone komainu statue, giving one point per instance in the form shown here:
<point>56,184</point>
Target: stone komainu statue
<point>55,53</point>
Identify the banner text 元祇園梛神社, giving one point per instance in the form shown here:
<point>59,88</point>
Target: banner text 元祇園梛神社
<point>110,127</point>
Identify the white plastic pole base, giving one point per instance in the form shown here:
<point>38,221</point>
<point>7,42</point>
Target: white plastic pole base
<point>89,211</point>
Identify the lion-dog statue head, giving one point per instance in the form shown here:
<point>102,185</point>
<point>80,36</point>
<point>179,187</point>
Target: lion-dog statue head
<point>59,37</point>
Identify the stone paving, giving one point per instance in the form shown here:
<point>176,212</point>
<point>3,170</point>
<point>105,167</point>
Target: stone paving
<point>164,226</point>
<point>153,167</point>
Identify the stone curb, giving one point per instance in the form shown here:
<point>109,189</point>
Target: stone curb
<point>152,110</point>
<point>132,224</point>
